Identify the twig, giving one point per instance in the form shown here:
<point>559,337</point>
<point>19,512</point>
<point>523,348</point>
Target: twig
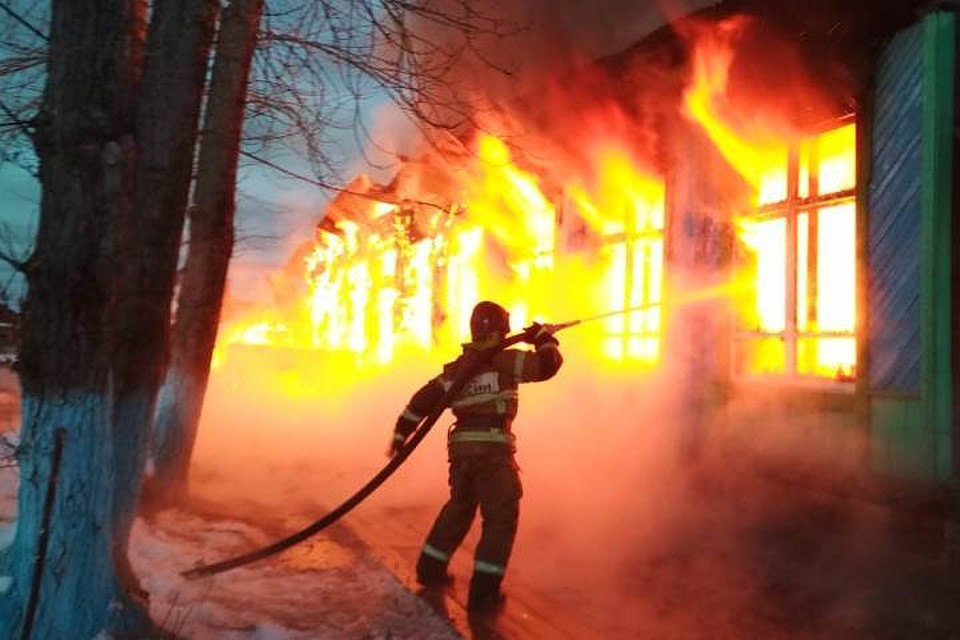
<point>170,610</point>
<point>16,16</point>
<point>41,558</point>
<point>8,454</point>
<point>326,185</point>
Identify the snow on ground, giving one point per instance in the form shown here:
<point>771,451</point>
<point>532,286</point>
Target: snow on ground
<point>328,587</point>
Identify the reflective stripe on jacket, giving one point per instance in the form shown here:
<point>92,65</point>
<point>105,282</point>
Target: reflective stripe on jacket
<point>489,400</point>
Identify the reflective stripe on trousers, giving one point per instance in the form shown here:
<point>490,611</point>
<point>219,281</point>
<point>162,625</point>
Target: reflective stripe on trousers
<point>436,554</point>
<point>481,566</point>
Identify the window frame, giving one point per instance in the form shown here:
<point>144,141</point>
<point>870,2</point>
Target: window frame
<point>632,239</point>
<point>790,209</point>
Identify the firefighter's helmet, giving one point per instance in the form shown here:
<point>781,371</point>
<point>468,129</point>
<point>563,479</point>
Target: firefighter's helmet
<point>488,318</point>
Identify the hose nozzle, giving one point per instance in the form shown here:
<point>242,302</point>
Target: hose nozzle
<point>553,328</point>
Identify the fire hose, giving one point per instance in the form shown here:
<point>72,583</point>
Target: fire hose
<point>472,366</point>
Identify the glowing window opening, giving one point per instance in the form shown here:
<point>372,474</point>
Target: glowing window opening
<point>636,267</point>
<point>799,251</point>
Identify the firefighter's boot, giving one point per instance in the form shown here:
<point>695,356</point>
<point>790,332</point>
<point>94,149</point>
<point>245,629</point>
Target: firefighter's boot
<point>485,595</point>
<point>432,572</point>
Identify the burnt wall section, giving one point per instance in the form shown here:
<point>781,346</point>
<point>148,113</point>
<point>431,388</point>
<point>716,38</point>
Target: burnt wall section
<point>703,193</point>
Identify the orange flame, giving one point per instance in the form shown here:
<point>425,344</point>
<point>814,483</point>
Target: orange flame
<point>800,316</point>
<point>376,290</point>
<point>401,275</point>
<point>755,151</point>
<point>626,207</point>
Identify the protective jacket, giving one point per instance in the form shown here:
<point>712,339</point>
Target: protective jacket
<point>487,406</point>
<point>483,472</point>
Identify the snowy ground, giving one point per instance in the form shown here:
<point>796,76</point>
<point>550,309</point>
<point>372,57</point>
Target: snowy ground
<point>329,587</point>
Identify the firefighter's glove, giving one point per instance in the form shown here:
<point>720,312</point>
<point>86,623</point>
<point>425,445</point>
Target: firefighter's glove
<point>396,444</point>
<point>538,335</point>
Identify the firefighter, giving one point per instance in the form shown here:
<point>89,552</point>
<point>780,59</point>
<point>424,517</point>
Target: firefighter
<point>481,450</point>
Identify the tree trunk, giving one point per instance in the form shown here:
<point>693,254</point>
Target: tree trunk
<point>210,247</point>
<point>84,141</point>
<point>178,50</point>
<point>114,186</point>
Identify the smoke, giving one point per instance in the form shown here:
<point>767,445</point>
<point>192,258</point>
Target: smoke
<point>523,42</point>
<point>524,71</point>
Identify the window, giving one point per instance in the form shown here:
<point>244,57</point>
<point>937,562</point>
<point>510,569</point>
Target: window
<point>634,253</point>
<point>616,222</point>
<point>796,263</point>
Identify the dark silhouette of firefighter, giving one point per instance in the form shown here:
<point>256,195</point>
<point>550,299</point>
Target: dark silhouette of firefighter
<point>483,472</point>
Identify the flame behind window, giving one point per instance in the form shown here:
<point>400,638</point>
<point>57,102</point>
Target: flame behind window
<point>402,277</point>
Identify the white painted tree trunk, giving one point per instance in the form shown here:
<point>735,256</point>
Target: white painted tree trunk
<point>64,580</point>
<point>131,437</point>
<point>175,430</point>
<point>114,184</point>
<point>208,257</point>
<point>78,594</point>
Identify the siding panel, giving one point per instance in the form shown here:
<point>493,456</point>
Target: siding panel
<point>894,217</point>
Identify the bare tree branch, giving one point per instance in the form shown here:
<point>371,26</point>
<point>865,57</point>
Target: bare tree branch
<point>319,66</point>
<point>329,186</point>
<point>16,16</point>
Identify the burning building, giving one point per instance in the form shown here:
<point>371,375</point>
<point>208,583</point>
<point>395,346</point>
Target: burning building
<point>770,191</point>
